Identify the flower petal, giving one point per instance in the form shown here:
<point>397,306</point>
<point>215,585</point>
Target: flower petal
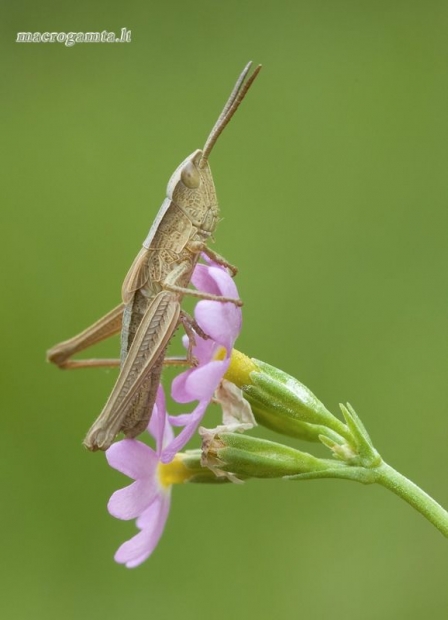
<point>204,351</point>
<point>133,458</point>
<point>179,420</point>
<point>157,421</point>
<point>196,383</point>
<point>203,381</point>
<point>186,433</point>
<point>152,522</point>
<point>159,426</point>
<point>179,388</point>
<point>214,279</point>
<point>130,502</point>
<point>221,321</point>
<point>203,280</point>
<point>224,281</point>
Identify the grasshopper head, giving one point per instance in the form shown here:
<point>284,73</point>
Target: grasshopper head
<point>192,189</point>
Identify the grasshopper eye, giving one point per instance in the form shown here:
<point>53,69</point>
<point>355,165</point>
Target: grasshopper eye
<point>190,175</point>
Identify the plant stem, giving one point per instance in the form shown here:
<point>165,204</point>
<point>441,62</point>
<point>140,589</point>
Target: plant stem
<point>411,493</point>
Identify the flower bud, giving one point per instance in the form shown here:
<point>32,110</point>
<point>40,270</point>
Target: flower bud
<point>239,456</point>
<point>281,402</point>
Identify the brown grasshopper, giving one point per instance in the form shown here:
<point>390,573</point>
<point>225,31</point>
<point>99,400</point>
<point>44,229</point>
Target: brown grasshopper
<point>153,289</point>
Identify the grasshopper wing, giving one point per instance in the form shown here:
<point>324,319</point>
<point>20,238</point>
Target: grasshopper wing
<point>136,277</point>
<point>153,334</point>
<point>138,274</point>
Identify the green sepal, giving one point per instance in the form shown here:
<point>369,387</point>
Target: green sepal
<point>367,456</point>
<point>200,474</point>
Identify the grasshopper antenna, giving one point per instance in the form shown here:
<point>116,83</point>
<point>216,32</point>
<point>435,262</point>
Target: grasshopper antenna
<point>236,96</point>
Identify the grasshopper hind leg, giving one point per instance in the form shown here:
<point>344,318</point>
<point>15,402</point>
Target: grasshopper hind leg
<point>104,328</point>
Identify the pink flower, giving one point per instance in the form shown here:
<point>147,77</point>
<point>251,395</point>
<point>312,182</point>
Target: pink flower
<point>222,323</point>
<point>148,498</point>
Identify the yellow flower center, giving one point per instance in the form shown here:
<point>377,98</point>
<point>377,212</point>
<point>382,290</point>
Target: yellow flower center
<point>240,368</point>
<point>174,472</point>
<point>220,354</point>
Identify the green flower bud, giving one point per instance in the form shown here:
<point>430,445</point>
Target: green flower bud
<point>239,456</point>
<point>282,403</point>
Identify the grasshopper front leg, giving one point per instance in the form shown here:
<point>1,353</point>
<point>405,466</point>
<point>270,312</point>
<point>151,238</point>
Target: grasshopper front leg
<point>170,284</point>
<point>220,260</point>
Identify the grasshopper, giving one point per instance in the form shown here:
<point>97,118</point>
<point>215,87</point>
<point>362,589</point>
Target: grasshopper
<point>152,291</point>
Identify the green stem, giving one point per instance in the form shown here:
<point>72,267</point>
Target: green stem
<point>411,493</point>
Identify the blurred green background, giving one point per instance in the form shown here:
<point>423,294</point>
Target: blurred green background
<point>333,188</point>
